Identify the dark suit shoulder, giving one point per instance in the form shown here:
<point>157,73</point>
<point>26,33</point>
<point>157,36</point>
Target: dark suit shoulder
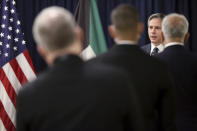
<point>32,88</point>
<point>177,53</point>
<point>104,71</point>
<point>127,55</point>
<point>146,48</point>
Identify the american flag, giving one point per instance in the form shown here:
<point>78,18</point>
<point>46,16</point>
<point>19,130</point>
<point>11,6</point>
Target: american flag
<point>16,66</point>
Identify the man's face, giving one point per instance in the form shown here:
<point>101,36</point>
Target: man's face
<point>154,31</point>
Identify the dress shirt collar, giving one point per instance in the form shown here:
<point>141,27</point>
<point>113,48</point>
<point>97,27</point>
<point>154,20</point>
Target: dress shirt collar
<point>160,47</point>
<point>173,43</point>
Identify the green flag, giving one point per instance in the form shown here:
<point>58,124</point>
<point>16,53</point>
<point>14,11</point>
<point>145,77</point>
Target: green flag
<point>88,18</point>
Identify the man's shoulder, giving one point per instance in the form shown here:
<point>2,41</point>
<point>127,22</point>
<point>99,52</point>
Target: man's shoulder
<point>175,51</point>
<point>29,88</point>
<point>118,52</point>
<point>99,59</point>
<point>146,48</point>
<point>146,45</point>
<point>104,70</point>
<point>114,57</point>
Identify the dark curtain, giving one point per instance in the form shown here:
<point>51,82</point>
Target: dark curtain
<point>28,9</point>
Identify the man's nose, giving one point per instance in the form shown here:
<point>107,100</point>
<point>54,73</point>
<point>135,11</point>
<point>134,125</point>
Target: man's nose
<point>153,30</point>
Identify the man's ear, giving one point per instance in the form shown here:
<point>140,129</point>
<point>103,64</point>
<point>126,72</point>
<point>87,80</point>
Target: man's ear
<point>42,52</point>
<point>140,28</point>
<point>79,34</point>
<point>163,39</point>
<point>111,30</point>
<point>186,37</point>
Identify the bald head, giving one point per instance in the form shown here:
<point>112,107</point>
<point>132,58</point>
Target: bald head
<point>54,28</point>
<point>175,26</point>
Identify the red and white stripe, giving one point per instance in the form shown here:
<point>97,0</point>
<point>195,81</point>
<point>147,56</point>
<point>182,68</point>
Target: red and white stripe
<point>12,76</point>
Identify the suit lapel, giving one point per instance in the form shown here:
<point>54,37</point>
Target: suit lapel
<point>148,49</point>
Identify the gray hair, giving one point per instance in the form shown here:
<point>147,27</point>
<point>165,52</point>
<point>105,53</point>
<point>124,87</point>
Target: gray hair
<point>54,28</point>
<point>156,16</point>
<point>175,26</point>
<point>125,18</point>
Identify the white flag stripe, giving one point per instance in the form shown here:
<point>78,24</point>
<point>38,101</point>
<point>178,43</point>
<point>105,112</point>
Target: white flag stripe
<point>8,105</point>
<point>88,53</point>
<point>12,77</point>
<point>2,128</point>
<point>26,68</point>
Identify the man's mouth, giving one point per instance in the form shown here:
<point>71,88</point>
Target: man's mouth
<point>153,37</point>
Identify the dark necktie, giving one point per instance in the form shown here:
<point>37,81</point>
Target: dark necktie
<point>155,51</point>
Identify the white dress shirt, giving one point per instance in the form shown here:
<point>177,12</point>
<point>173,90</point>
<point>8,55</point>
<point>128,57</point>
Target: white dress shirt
<point>160,47</point>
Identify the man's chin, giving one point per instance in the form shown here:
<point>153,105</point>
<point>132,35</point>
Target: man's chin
<point>153,41</point>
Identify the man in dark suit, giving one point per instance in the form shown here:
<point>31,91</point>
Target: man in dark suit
<point>73,95</point>
<point>182,65</point>
<point>149,75</point>
<point>155,35</point>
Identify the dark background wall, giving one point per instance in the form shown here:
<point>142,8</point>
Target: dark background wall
<point>28,9</point>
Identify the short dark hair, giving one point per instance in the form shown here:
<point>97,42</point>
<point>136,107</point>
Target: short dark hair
<point>156,15</point>
<point>125,18</point>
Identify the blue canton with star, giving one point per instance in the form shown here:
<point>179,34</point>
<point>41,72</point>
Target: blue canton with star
<point>12,41</point>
